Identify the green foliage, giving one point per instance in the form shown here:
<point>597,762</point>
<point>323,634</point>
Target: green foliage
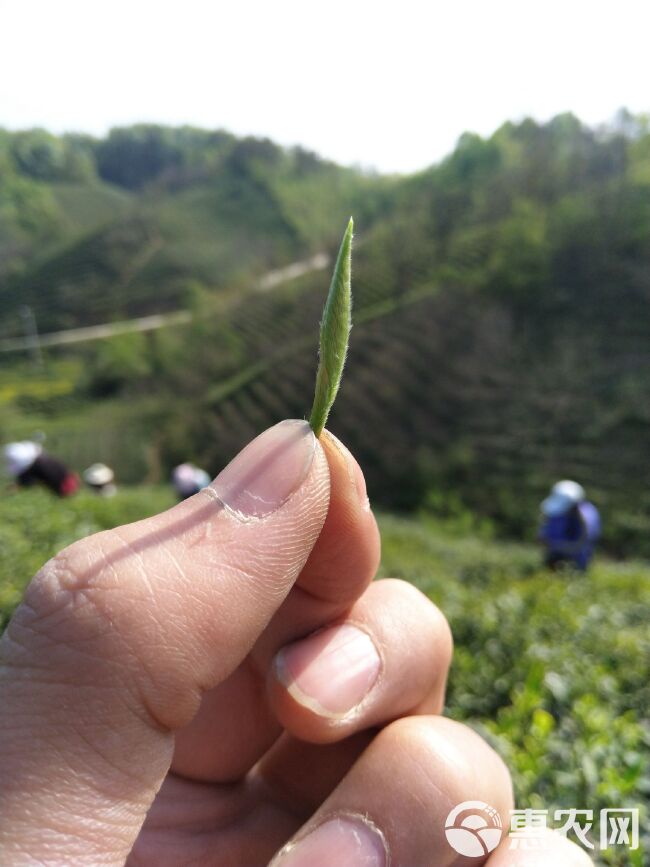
<point>116,363</point>
<point>28,215</point>
<point>134,156</point>
<point>38,155</point>
<point>83,205</point>
<point>334,335</point>
<point>93,230</point>
<point>553,669</point>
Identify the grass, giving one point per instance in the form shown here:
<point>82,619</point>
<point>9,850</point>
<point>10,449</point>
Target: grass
<point>553,669</point>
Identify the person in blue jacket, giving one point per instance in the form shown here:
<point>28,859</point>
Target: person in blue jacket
<point>570,526</point>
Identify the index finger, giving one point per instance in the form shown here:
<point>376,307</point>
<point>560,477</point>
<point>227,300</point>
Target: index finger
<point>346,555</point>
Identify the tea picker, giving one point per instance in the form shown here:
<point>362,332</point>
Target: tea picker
<point>570,526</point>
<point>28,465</point>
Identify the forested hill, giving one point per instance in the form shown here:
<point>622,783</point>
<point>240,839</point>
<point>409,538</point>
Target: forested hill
<point>502,317</point>
<point>94,230</point>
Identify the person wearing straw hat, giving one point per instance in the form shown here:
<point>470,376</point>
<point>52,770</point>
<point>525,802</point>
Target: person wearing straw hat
<point>100,479</point>
<point>570,526</point>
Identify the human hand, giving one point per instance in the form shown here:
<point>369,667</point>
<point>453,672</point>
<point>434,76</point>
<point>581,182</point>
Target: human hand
<point>205,685</point>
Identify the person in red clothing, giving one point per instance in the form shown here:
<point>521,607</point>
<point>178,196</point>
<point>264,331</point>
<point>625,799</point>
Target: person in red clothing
<point>29,465</point>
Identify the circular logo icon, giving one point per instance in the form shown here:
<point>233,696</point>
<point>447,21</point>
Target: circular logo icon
<point>473,828</point>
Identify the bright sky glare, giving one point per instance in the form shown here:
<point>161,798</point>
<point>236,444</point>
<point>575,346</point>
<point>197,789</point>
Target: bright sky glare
<point>384,85</point>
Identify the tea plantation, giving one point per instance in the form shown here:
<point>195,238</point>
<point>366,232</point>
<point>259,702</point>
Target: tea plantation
<point>554,670</point>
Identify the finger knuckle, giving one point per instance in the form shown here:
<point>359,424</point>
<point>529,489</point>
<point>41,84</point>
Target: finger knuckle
<point>59,606</point>
<point>445,749</point>
<point>408,733</point>
<point>422,611</point>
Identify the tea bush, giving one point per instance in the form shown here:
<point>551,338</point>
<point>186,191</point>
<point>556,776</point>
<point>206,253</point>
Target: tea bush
<point>552,668</point>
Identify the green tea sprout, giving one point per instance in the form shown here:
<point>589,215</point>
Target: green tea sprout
<point>334,333</point>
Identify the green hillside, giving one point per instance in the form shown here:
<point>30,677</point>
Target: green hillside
<point>501,336</point>
<point>95,231</point>
<point>501,339</point>
<point>83,206</point>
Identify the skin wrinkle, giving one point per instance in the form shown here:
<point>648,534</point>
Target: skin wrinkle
<point>277,540</point>
<point>167,546</point>
<point>31,617</point>
<point>140,702</point>
<point>142,664</point>
<point>58,725</point>
<point>44,582</point>
<point>97,751</point>
<point>269,565</point>
<point>140,545</point>
<point>38,862</point>
<point>79,809</point>
<point>236,573</point>
<point>402,734</point>
<point>231,801</point>
<point>23,716</point>
<point>237,813</point>
<point>138,563</point>
<point>88,828</point>
<point>440,741</point>
<point>73,644</point>
<point>76,857</point>
<point>19,661</point>
<point>278,795</point>
<point>102,655</point>
<point>283,795</point>
<point>91,821</point>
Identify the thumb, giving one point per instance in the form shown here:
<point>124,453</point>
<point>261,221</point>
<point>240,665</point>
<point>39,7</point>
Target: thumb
<point>120,634</point>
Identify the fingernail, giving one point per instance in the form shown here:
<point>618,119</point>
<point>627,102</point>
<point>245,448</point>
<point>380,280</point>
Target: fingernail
<point>357,479</point>
<point>343,842</point>
<point>264,474</point>
<point>332,671</point>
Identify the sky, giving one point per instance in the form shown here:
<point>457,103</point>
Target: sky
<point>388,86</point>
